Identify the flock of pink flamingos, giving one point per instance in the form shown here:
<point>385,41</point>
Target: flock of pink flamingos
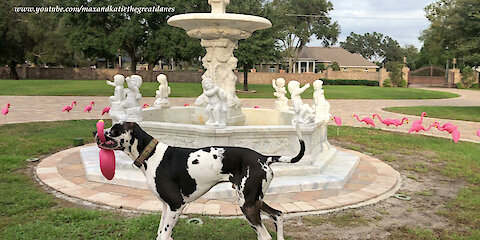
<point>417,125</point>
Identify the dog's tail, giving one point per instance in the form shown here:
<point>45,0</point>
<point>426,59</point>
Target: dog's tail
<point>295,159</point>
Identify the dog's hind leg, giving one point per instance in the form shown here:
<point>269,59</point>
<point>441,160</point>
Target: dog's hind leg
<point>252,213</point>
<point>277,216</point>
<point>171,219</point>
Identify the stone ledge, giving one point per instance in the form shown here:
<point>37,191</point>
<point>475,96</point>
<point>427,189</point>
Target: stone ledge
<point>142,200</point>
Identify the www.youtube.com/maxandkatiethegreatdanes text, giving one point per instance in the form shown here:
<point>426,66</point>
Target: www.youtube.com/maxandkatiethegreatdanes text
<point>93,9</point>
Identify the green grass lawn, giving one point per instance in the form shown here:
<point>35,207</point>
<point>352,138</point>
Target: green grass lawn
<point>27,212</point>
<point>459,162</point>
<point>100,88</point>
<point>444,112</point>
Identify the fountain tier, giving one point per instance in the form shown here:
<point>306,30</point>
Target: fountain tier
<point>211,26</point>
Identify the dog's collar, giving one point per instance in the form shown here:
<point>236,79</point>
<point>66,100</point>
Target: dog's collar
<point>145,153</point>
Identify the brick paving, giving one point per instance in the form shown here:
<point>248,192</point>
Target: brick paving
<point>64,172</point>
<point>48,108</point>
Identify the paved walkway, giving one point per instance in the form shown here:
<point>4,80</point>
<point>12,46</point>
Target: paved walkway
<point>48,108</point>
<point>371,182</point>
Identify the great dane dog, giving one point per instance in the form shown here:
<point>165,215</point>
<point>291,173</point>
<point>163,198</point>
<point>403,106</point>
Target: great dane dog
<point>178,176</point>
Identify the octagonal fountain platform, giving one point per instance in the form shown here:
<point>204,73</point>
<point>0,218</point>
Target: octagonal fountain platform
<point>267,131</point>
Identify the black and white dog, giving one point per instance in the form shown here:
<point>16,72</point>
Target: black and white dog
<point>178,175</point>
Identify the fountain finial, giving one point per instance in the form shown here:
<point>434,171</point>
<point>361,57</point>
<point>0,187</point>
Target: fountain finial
<point>218,6</point>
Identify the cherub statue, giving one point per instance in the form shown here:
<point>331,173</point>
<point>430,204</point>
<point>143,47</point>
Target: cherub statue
<point>321,106</point>
<point>117,112</point>
<point>304,113</point>
<point>281,104</point>
<point>217,104</point>
<point>131,103</point>
<point>119,93</point>
<point>162,93</point>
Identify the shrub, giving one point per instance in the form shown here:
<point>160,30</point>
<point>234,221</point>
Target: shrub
<point>402,83</point>
<point>475,85</point>
<point>320,67</point>
<point>335,66</point>
<point>349,82</point>
<point>468,77</point>
<point>460,86</point>
<point>396,74</point>
<point>387,83</point>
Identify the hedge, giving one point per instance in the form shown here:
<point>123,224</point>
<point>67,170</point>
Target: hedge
<point>349,82</point>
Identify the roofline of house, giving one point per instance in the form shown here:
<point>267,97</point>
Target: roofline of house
<point>361,66</point>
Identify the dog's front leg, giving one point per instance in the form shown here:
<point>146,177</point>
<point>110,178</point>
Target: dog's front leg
<point>162,219</point>
<point>171,219</point>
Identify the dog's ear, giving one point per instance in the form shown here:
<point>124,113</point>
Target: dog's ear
<point>129,125</point>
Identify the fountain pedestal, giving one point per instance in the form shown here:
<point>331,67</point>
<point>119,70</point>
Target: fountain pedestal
<point>220,33</point>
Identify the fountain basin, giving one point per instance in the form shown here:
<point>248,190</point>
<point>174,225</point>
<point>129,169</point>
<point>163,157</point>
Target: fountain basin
<point>211,26</point>
<point>266,131</point>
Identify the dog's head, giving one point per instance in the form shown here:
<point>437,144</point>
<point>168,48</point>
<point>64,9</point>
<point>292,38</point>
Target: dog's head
<point>118,137</point>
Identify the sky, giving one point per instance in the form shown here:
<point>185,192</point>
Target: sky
<point>388,19</point>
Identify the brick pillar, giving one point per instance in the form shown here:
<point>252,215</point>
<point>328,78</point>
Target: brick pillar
<point>454,76</point>
<point>382,75</point>
<point>405,71</point>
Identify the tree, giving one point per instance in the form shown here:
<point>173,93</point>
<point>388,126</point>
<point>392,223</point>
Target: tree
<point>453,32</point>
<point>396,74</point>
<point>144,37</point>
<point>412,55</point>
<point>374,46</point>
<point>90,33</point>
<point>302,20</point>
<point>15,40</point>
<point>262,45</point>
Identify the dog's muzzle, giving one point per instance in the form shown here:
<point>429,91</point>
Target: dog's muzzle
<point>109,144</point>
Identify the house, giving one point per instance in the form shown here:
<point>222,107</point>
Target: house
<point>310,58</point>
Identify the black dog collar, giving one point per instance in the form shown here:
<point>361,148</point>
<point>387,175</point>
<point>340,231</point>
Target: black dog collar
<point>145,153</point>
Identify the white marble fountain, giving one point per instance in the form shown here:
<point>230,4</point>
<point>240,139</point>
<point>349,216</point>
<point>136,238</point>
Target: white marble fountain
<point>219,119</point>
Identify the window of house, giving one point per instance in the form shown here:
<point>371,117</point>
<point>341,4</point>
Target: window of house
<point>344,69</point>
<point>272,69</point>
<point>366,69</point>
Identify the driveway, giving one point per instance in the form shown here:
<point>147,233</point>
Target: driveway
<point>48,108</point>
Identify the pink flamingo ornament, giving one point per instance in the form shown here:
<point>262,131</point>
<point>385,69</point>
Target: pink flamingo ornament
<point>366,120</point>
<point>69,107</point>
<point>455,135</point>
<point>256,107</point>
<point>105,110</point>
<point>145,106</point>
<point>417,125</point>
<point>450,128</point>
<point>478,132</point>
<point>338,121</point>
<point>5,110</point>
<point>400,123</point>
<point>186,105</point>
<point>417,128</point>
<point>88,108</point>
<point>386,121</point>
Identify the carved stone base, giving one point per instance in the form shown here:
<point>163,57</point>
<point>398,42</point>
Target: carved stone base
<point>235,117</point>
